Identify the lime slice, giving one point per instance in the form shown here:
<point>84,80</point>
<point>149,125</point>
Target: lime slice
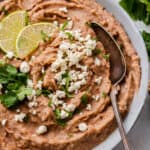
<point>10,26</point>
<point>30,37</point>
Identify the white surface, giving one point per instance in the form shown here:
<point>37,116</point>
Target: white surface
<point>139,46</point>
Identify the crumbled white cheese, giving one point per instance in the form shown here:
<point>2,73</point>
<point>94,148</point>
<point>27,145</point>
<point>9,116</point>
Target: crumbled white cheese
<point>39,84</point>
<point>96,97</point>
<point>20,117</point>
<point>70,108</point>
<point>55,23</point>
<point>43,70</point>
<point>70,24</point>
<point>83,127</point>
<point>60,94</point>
<point>10,55</point>
<point>98,80</point>
<point>64,46</point>
<point>63,9</point>
<point>30,83</point>
<point>64,114</point>
<point>89,107</point>
<point>58,76</point>
<point>91,44</point>
<point>34,112</point>
<point>41,130</point>
<point>32,104</point>
<point>24,67</point>
<point>3,122</point>
<point>18,110</point>
<point>97,62</point>
<point>77,34</point>
<point>74,58</point>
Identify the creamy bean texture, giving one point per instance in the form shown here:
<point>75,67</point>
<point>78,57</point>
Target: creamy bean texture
<point>72,69</point>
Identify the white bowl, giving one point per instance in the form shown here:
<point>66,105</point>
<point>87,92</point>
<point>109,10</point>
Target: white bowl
<point>139,98</point>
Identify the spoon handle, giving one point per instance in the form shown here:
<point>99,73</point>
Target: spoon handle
<point>113,96</point>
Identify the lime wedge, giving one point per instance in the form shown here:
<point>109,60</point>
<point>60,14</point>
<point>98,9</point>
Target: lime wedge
<point>30,37</point>
<point>10,26</point>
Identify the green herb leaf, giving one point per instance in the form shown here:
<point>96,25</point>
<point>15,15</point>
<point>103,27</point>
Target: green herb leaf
<point>44,36</point>
<point>57,113</point>
<point>11,69</point>
<point>23,92</point>
<point>137,9</point>
<point>146,37</point>
<point>96,52</point>
<point>70,36</point>
<point>66,87</point>
<point>4,11</point>
<point>14,86</point>
<point>84,99</point>
<point>46,92</point>
<point>106,56</point>
<point>9,99</point>
<point>50,103</point>
<point>64,25</point>
<point>104,95</point>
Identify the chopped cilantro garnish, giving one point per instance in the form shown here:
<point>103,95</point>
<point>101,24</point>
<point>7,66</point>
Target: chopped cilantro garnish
<point>46,92</point>
<point>14,86</point>
<point>106,56</point>
<point>64,25</point>
<point>104,95</point>
<point>50,103</point>
<point>57,113</point>
<point>44,36</point>
<point>4,11</point>
<point>137,9</point>
<point>96,52</point>
<point>65,88</point>
<point>70,36</point>
<point>61,122</point>
<point>84,99</point>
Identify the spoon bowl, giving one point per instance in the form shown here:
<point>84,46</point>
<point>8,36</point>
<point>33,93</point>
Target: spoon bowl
<point>117,60</point>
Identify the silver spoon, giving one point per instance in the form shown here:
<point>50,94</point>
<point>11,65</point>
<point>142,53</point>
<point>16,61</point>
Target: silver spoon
<point>117,72</point>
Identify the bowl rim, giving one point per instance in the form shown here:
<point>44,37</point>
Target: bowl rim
<point>140,97</point>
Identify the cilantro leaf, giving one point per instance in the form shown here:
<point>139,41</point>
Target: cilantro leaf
<point>146,37</point>
<point>11,69</point>
<point>14,86</point>
<point>64,25</point>
<point>44,36</point>
<point>66,87</point>
<point>23,92</point>
<point>84,99</point>
<point>9,99</point>
<point>96,52</point>
<point>70,36</point>
<point>137,9</point>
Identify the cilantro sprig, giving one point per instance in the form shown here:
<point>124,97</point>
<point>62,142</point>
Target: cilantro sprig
<point>14,88</point>
<point>137,9</point>
<point>65,88</point>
